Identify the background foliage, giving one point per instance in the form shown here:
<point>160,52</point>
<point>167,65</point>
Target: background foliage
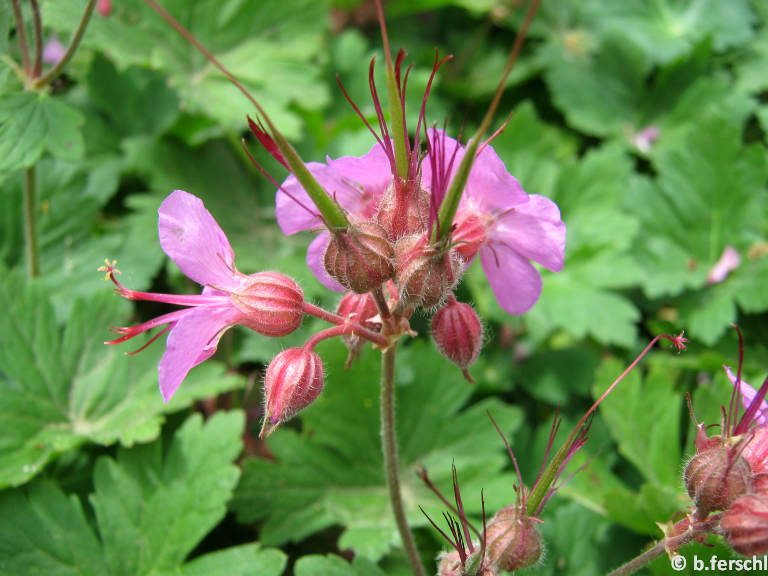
<point>98,476</point>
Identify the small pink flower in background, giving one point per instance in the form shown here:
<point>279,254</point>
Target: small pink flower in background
<point>267,302</point>
<point>104,8</point>
<point>644,139</point>
<point>728,262</point>
<point>53,51</point>
<point>507,226</point>
<point>356,183</point>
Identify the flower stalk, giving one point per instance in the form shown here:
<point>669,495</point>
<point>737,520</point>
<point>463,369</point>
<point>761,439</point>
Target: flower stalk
<point>30,223</point>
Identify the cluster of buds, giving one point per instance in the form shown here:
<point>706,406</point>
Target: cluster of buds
<point>268,302</point>
<point>727,478</point>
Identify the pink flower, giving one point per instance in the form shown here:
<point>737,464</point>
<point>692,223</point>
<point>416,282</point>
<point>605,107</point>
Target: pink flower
<point>267,302</point>
<point>53,51</point>
<point>748,395</point>
<point>104,8</point>
<point>756,450</point>
<point>728,262</point>
<point>497,218</point>
<point>356,183</point>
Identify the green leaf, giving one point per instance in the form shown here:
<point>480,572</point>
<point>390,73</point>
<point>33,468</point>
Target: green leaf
<point>274,48</point>
<point>644,418</point>
<point>668,29</point>
<point>323,566</point>
<point>63,389</point>
<point>31,123</point>
<point>151,508</point>
<point>332,473</point>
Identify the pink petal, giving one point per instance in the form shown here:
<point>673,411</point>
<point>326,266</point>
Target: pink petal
<point>728,262</point>
<point>53,51</point>
<point>747,396</point>
<point>443,149</point>
<point>490,186</point>
<point>191,237</point>
<point>294,208</point>
<point>192,340</point>
<point>515,282</point>
<point>316,263</point>
<point>370,173</point>
<point>533,230</point>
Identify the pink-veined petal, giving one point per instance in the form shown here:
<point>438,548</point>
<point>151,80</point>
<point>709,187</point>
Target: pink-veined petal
<point>747,396</point>
<point>192,340</point>
<point>515,282</point>
<point>316,261</point>
<point>370,173</point>
<point>534,230</point>
<point>191,238</point>
<point>490,187</point>
<point>294,209</point>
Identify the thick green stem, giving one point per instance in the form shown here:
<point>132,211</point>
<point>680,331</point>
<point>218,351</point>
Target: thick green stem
<point>71,49</point>
<point>30,222</point>
<point>389,449</point>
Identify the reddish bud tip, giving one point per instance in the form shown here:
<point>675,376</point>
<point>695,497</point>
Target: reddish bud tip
<point>745,525</point>
<point>271,302</point>
<point>104,8</point>
<point>716,477</point>
<point>360,258</point>
<point>294,380</point>
<point>513,541</point>
<point>458,333</point>
<point>425,275</point>
<point>404,209</point>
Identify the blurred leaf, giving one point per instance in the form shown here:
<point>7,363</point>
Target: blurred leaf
<point>332,473</point>
<point>60,391</point>
<point>31,123</point>
<point>668,29</point>
<point>151,509</point>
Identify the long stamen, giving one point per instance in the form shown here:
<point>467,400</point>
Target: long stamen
<point>129,332</point>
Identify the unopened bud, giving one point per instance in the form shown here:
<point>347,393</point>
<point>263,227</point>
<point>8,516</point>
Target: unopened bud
<point>745,525</point>
<point>716,477</point>
<point>404,209</point>
<point>294,380</point>
<point>360,258</point>
<point>359,308</point>
<point>424,274</point>
<point>271,302</point>
<point>513,541</point>
<point>458,333</point>
<point>469,235</point>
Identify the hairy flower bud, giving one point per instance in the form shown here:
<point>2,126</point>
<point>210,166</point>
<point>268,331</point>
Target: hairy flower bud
<point>359,308</point>
<point>513,541</point>
<point>404,209</point>
<point>424,274</point>
<point>360,258</point>
<point>271,302</point>
<point>458,333</point>
<point>716,477</point>
<point>745,525</point>
<point>294,380</point>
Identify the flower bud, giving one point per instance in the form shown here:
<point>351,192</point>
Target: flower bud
<point>469,236</point>
<point>271,302</point>
<point>404,209</point>
<point>450,564</point>
<point>513,541</point>
<point>745,525</point>
<point>359,308</point>
<point>458,333</point>
<point>716,477</point>
<point>424,274</point>
<point>360,258</point>
<point>294,380</point>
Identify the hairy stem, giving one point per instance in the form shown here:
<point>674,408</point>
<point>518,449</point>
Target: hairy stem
<point>71,49</point>
<point>30,222</point>
<point>389,449</point>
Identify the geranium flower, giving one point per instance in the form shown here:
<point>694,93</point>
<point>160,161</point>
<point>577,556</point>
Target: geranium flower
<point>267,302</point>
<point>356,183</point>
<point>497,218</point>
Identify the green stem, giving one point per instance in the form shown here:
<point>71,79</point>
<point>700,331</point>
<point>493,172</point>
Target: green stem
<point>30,223</point>
<point>49,76</point>
<point>389,450</point>
<point>21,33</point>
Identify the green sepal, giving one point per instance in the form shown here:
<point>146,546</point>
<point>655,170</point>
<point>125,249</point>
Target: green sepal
<point>398,124</point>
<point>452,197</point>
